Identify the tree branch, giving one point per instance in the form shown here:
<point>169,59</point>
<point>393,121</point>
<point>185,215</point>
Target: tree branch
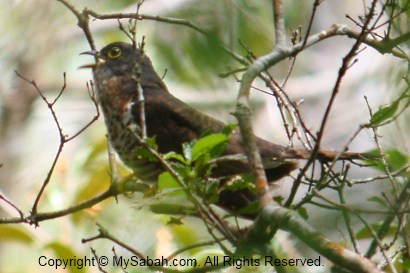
<point>278,217</point>
<point>280,33</point>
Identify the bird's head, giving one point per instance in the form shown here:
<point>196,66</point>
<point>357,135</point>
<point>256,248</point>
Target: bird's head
<point>117,58</point>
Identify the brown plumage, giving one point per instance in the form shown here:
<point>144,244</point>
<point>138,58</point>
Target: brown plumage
<point>173,122</point>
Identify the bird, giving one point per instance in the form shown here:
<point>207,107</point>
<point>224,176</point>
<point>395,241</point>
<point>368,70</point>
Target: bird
<point>119,69</point>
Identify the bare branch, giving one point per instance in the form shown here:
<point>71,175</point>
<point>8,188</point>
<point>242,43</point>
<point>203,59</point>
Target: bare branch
<point>342,72</point>
<point>63,138</point>
<point>61,134</point>
<point>280,33</point>
<point>83,22</point>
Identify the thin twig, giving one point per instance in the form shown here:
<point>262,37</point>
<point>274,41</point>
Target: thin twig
<point>347,219</point>
<point>2,197</point>
<point>402,199</point>
<point>312,17</point>
<point>83,22</point>
<point>61,135</point>
<point>94,252</point>
<point>92,95</point>
<point>342,72</point>
<point>369,228</point>
<point>193,246</point>
<point>63,138</point>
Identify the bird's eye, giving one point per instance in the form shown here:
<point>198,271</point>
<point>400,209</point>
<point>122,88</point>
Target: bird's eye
<point>114,52</point>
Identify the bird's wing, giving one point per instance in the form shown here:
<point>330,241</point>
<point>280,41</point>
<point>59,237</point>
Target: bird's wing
<point>173,122</point>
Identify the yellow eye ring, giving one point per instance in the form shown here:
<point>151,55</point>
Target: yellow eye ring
<point>114,52</point>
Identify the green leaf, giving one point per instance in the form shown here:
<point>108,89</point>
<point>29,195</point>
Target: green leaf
<point>303,212</point>
<point>384,113</point>
<point>364,233</point>
<point>406,264</point>
<point>401,262</point>
<point>172,209</point>
<point>395,160</point>
<point>212,144</point>
<point>229,129</point>
<point>175,221</point>
<point>63,251</point>
<point>167,181</point>
<point>206,255</point>
<point>212,186</point>
<point>144,152</point>
<point>279,199</point>
<point>98,147</point>
<point>15,234</point>
<point>378,200</point>
<point>241,185</point>
<point>151,142</point>
<point>184,236</point>
<point>251,209</point>
<point>174,157</point>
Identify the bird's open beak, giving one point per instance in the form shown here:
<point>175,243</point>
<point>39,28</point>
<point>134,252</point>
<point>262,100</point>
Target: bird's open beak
<point>97,56</point>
